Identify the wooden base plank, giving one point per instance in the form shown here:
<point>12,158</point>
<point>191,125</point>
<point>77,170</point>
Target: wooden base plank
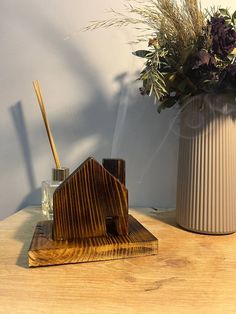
<point>44,251</point>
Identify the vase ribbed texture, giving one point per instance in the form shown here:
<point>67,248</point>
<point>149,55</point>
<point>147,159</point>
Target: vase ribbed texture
<point>206,185</point>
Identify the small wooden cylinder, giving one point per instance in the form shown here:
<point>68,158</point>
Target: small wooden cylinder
<point>116,167</point>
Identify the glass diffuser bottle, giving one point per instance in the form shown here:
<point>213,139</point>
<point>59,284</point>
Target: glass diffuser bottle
<point>59,173</point>
<point>48,188</point>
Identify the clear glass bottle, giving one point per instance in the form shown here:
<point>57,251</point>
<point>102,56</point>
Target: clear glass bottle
<point>49,187</point>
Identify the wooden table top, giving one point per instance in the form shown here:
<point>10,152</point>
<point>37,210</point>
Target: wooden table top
<point>192,273</point>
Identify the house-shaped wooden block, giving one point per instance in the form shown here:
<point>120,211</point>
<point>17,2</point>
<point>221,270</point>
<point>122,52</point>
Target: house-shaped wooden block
<point>88,201</point>
<point>91,220</point>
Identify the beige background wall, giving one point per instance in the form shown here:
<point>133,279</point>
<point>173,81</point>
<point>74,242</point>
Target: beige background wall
<point>88,82</point>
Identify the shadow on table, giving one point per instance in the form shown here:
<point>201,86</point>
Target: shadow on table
<point>167,216</point>
<point>25,233</point>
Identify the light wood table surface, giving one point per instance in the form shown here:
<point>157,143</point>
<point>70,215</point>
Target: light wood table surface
<point>192,273</point>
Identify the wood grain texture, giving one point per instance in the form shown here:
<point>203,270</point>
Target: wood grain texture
<point>44,251</point>
<point>192,274</point>
<point>85,200</point>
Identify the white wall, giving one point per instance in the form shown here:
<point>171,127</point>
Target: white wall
<point>91,97</point>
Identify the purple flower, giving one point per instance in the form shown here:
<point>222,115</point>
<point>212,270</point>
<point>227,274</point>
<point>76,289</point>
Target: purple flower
<point>231,70</point>
<point>223,37</point>
<point>228,76</point>
<point>203,59</point>
<point>201,67</point>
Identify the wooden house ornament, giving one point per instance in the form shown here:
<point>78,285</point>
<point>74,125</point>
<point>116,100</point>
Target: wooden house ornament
<point>91,220</point>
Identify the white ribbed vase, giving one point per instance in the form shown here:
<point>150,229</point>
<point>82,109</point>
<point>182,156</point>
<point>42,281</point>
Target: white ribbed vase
<point>206,185</point>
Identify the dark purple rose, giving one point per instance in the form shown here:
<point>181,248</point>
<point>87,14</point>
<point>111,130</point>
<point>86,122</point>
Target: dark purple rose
<point>228,77</point>
<point>203,59</point>
<point>231,71</point>
<point>201,67</point>
<point>223,37</point>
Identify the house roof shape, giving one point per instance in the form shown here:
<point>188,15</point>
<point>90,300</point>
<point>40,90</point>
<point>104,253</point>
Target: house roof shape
<point>83,203</point>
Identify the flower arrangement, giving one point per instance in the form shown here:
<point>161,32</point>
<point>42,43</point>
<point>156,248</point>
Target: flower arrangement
<point>189,51</point>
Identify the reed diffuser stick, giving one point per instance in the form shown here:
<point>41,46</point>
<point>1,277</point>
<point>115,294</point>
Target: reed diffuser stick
<point>45,119</point>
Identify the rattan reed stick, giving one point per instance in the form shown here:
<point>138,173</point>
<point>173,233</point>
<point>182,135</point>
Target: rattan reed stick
<point>45,119</point>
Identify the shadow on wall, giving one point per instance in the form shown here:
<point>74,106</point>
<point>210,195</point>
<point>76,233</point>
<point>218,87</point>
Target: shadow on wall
<point>140,136</point>
<point>126,126</point>
<point>21,132</point>
<point>91,127</point>
<point>148,141</point>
